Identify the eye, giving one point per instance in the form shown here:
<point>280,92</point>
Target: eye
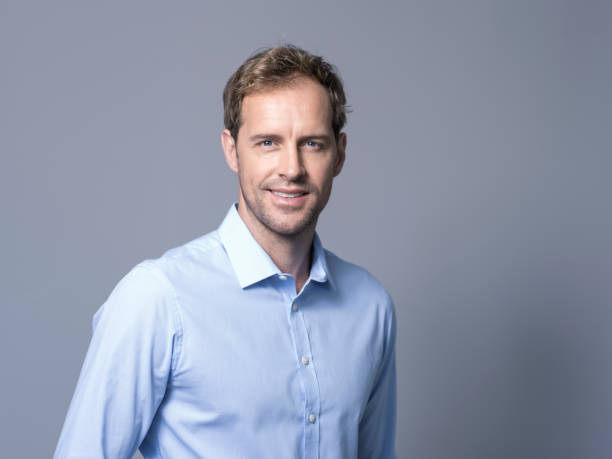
<point>266,143</point>
<point>313,145</point>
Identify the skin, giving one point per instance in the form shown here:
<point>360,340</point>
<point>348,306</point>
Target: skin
<point>285,144</point>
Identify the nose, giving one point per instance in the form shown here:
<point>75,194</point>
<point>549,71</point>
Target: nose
<point>290,165</point>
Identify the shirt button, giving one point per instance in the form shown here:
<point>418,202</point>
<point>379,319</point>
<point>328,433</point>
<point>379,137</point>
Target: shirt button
<point>305,360</point>
<point>312,418</point>
<point>282,277</point>
<point>294,307</point>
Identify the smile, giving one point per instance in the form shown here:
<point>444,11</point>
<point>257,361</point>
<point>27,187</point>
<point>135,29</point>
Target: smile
<point>288,195</point>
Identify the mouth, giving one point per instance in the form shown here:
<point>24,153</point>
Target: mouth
<point>287,197</point>
<point>284,194</point>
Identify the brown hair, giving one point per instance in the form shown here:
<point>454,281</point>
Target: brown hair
<point>280,66</point>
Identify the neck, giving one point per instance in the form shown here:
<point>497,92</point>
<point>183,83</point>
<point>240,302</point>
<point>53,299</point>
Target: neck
<point>291,254</point>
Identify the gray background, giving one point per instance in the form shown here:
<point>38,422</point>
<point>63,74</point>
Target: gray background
<point>477,188</point>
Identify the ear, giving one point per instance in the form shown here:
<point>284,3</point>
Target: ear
<point>340,153</point>
<point>229,149</point>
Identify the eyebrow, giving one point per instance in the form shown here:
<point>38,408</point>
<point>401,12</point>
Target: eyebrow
<point>259,137</point>
<point>324,138</point>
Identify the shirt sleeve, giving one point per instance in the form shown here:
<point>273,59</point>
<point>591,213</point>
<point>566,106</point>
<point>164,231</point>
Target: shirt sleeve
<point>377,426</point>
<point>134,347</point>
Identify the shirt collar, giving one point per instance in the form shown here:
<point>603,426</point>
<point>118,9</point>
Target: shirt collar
<point>250,261</point>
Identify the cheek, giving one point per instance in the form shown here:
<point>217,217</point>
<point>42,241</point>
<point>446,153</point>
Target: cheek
<point>255,167</point>
<point>250,170</point>
<point>323,175</point>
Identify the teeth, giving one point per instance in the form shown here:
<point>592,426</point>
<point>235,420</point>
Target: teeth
<point>287,195</point>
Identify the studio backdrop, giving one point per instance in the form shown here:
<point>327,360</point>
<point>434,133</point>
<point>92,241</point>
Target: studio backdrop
<point>476,188</point>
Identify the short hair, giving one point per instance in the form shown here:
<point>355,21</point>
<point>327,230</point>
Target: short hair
<point>277,67</point>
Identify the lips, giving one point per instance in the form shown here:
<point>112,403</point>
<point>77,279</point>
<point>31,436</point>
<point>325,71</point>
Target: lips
<point>287,193</point>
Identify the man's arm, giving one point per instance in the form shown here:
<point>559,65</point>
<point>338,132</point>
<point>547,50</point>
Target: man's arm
<point>377,426</point>
<point>132,352</point>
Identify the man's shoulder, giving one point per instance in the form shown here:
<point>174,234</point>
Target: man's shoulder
<point>357,280</point>
<point>190,259</point>
<point>200,253</point>
<point>196,249</point>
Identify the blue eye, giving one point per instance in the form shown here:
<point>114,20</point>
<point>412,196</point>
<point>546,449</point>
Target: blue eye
<point>266,143</point>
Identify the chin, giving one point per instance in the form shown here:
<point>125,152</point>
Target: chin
<point>287,228</point>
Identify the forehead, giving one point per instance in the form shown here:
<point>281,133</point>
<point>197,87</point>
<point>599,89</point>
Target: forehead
<point>302,103</point>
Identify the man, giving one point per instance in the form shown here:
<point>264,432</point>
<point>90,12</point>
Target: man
<point>252,341</point>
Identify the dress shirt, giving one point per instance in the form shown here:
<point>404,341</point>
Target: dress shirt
<point>209,352</point>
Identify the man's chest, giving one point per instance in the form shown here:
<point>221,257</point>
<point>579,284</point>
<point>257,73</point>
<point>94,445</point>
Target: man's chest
<point>257,355</point>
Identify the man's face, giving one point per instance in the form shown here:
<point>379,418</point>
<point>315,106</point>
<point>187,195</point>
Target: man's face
<point>286,157</point>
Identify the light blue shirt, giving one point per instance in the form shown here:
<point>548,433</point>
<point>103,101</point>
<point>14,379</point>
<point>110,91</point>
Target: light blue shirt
<point>208,352</point>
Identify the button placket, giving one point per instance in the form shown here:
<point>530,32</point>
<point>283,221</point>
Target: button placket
<point>308,377</point>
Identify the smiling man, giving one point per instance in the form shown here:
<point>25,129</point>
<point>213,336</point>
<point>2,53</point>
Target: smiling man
<point>252,341</point>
